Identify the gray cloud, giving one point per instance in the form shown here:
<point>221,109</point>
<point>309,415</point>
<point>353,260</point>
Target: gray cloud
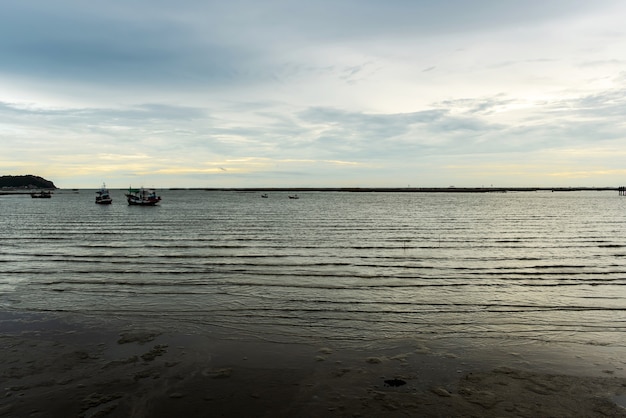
<point>367,90</point>
<point>221,43</point>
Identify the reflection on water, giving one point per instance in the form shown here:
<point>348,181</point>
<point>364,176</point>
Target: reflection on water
<point>524,267</point>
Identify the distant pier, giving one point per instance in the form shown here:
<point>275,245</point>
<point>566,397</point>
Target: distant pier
<point>622,190</point>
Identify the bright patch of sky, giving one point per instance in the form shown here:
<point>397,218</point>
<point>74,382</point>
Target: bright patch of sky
<point>341,93</point>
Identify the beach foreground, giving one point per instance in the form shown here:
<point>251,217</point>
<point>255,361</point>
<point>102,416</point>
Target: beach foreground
<point>53,367</point>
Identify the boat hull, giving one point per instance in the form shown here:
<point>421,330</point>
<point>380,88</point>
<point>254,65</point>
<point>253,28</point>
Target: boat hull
<point>134,200</point>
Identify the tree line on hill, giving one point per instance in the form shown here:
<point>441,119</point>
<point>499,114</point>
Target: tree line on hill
<point>25,182</point>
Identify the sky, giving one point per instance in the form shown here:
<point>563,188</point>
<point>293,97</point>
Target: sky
<point>341,93</point>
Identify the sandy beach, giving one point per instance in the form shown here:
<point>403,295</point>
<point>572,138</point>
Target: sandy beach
<point>54,367</point>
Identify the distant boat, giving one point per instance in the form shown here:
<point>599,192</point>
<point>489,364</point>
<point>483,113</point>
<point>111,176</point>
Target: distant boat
<point>44,194</point>
<point>103,197</point>
<point>264,195</point>
<point>142,197</point>
<point>295,196</point>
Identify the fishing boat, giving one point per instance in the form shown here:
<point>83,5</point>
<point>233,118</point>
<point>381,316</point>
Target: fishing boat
<point>295,196</point>
<point>103,197</point>
<point>142,197</point>
<point>264,195</point>
<point>44,194</point>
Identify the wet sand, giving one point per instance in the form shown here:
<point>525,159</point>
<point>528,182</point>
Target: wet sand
<point>61,368</point>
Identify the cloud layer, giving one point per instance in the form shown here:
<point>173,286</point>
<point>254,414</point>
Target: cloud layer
<point>284,93</point>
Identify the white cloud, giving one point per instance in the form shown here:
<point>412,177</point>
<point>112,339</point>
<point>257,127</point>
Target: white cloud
<point>313,93</point>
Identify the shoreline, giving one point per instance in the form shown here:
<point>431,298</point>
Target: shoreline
<point>61,365</point>
<point>450,189</point>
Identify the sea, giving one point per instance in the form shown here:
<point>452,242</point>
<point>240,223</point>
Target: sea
<point>516,269</point>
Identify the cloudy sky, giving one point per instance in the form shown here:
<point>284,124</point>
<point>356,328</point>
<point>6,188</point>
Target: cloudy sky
<point>279,93</point>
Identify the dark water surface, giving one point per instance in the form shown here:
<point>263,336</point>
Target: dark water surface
<point>523,268</point>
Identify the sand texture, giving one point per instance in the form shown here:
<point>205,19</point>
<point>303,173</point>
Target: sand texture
<point>53,370</point>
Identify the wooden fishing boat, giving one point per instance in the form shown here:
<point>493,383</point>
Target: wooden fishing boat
<point>142,197</point>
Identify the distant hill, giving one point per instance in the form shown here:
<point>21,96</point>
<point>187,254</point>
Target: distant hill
<point>25,182</point>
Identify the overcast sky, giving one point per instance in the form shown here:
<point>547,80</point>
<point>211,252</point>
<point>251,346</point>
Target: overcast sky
<point>345,93</point>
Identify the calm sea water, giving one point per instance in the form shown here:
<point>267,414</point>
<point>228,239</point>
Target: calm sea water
<point>530,268</point>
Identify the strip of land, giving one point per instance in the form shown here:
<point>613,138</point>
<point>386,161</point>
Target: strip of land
<point>9,191</point>
<point>413,189</point>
